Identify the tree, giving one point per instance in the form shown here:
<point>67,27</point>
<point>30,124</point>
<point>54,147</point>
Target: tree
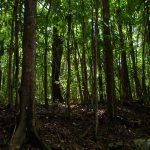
<point>45,57</point>
<point>57,50</point>
<point>94,58</point>
<point>108,53</point>
<point>16,50</point>
<point>26,127</point>
<point>69,20</point>
<point>125,81</point>
<point>83,60</point>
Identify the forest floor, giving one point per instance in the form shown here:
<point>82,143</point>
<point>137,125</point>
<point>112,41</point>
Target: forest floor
<point>132,125</point>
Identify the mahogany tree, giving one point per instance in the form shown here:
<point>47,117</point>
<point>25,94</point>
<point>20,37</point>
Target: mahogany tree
<point>26,128</point>
<point>108,53</point>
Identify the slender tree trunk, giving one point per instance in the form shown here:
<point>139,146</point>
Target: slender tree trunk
<point>0,77</point>
<point>45,58</point>
<point>100,78</point>
<point>144,92</point>
<point>147,9</point>
<point>69,17</point>
<point>11,48</point>
<point>1,54</point>
<point>126,89</point>
<point>83,63</point>
<point>77,67</point>
<point>94,58</point>
<point>109,71</point>
<point>16,52</point>
<point>133,58</point>
<point>26,129</point>
<point>57,50</point>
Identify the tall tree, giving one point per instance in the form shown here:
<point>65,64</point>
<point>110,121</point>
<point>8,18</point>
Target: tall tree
<point>16,50</point>
<point>69,20</point>
<point>108,53</point>
<point>11,48</point>
<point>1,54</point>
<point>76,64</point>
<point>125,81</point>
<point>83,59</point>
<point>45,57</point>
<point>26,127</point>
<point>94,58</point>
<point>133,55</point>
<point>57,50</point>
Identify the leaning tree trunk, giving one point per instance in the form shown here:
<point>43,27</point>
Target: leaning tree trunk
<point>26,130</point>
<point>109,71</point>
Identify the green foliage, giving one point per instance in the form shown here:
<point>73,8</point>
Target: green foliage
<point>82,12</point>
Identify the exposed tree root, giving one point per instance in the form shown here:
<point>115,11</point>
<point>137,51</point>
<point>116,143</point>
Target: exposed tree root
<point>24,134</point>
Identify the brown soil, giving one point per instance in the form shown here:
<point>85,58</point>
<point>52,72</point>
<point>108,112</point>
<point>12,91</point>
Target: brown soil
<point>77,132</point>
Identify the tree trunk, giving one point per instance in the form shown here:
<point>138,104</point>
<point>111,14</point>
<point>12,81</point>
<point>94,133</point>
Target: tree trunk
<point>1,54</point>
<point>126,88</point>
<point>77,67</point>
<point>133,58</point>
<point>69,20</point>
<point>11,47</point>
<point>57,51</point>
<point>26,129</point>
<point>45,58</point>
<point>94,59</point>
<point>109,71</point>
<point>83,63</point>
<point>16,52</point>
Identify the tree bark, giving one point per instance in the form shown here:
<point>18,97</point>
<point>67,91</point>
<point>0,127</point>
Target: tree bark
<point>125,81</point>
<point>109,71</point>
<point>57,50</point>
<point>69,20</point>
<point>94,58</point>
<point>77,67</point>
<point>45,58</point>
<point>10,72</point>
<point>16,52</point>
<point>133,58</point>
<point>83,62</point>
<point>26,128</point>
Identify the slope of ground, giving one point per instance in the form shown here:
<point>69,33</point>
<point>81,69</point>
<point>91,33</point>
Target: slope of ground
<point>131,129</point>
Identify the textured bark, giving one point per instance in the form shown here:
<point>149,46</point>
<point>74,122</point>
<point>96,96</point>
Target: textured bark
<point>26,128</point>
<point>83,63</point>
<point>57,51</point>
<point>108,53</point>
<point>45,58</point>
<point>125,81</point>
<point>76,64</point>
<point>10,70</point>
<point>16,52</point>
<point>94,58</point>
<point>69,20</point>
<point>1,54</point>
<point>134,67</point>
